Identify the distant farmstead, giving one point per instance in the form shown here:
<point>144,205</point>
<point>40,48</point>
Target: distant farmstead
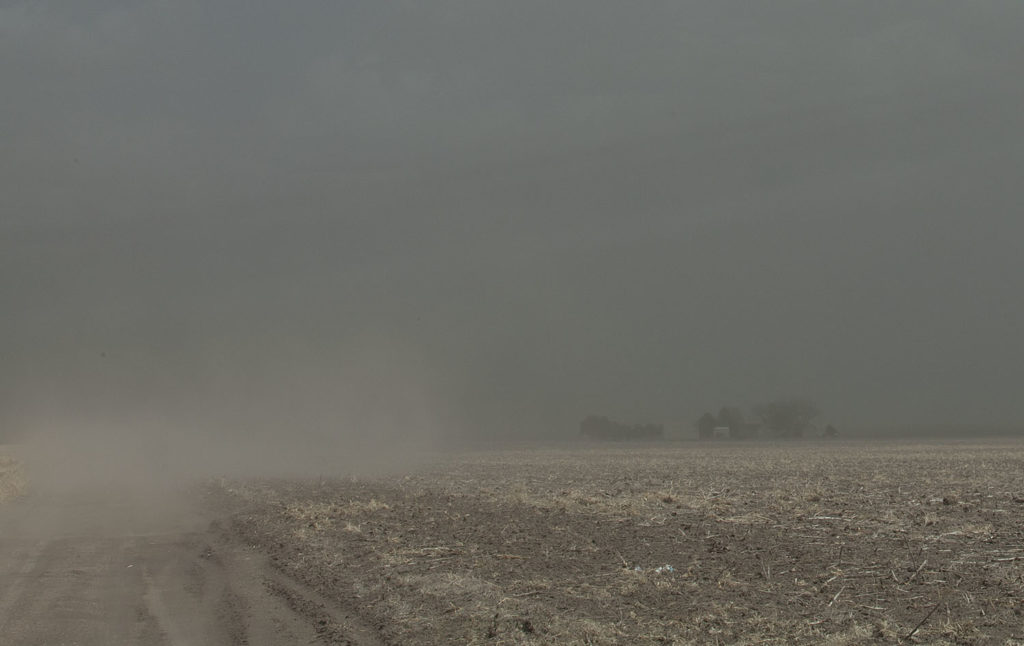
<point>780,419</point>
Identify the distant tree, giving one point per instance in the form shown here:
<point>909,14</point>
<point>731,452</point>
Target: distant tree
<point>787,418</point>
<point>732,417</point>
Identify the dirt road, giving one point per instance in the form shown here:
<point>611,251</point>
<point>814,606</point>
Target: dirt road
<point>106,567</point>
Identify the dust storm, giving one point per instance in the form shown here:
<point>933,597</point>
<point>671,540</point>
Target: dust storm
<point>484,322</point>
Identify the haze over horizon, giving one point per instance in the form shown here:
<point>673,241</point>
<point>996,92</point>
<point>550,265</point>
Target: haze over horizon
<point>364,219</point>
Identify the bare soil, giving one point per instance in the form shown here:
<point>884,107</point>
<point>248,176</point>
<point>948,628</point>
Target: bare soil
<point>805,543</point>
<point>101,566</point>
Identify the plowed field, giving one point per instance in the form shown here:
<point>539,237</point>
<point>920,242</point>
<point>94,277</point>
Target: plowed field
<point>807,543</point>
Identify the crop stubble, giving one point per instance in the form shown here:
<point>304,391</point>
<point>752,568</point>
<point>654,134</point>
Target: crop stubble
<point>838,543</point>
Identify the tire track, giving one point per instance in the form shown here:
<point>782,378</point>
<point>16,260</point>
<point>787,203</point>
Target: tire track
<point>333,624</point>
<point>104,568</point>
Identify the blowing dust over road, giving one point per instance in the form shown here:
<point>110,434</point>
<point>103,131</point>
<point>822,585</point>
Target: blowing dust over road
<point>113,544</point>
<point>105,565</point>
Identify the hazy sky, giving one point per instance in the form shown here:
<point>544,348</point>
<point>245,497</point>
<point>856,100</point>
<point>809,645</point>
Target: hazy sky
<point>502,216</point>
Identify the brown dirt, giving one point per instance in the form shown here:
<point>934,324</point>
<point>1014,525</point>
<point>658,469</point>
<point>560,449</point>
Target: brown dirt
<point>100,566</point>
<point>768,544</point>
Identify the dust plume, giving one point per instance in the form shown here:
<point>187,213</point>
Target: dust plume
<point>322,235</point>
<point>371,412</point>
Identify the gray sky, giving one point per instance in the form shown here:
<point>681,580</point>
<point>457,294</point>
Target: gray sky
<point>502,216</point>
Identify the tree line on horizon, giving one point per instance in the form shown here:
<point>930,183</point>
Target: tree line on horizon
<point>781,419</point>
<point>784,418</point>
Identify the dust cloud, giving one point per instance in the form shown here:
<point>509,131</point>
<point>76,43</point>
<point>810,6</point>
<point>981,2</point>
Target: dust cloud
<point>373,414</point>
<point>332,237</point>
